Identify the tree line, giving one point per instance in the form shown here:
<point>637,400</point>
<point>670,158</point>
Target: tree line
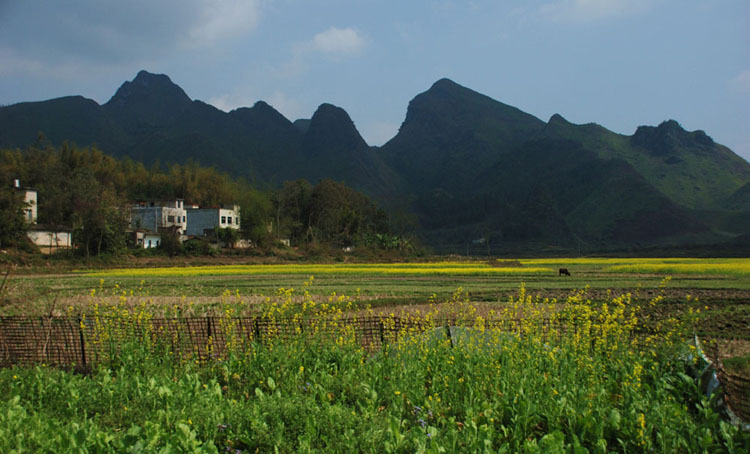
<point>91,192</point>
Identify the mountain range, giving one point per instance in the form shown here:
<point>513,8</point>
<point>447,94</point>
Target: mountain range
<point>464,170</point>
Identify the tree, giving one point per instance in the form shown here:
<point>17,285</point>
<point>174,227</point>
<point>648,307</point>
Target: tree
<point>12,224</point>
<point>291,204</point>
<point>99,215</point>
<point>341,215</point>
<point>228,236</point>
<point>256,212</point>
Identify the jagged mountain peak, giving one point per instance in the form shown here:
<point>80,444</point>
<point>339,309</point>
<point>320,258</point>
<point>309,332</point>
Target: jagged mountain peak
<point>327,109</point>
<point>446,84</point>
<point>447,105</point>
<point>260,112</point>
<point>149,89</point>
<point>332,127</point>
<point>669,137</point>
<point>557,119</point>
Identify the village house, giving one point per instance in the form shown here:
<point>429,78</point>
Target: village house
<point>30,199</point>
<point>145,239</point>
<point>48,238</point>
<point>158,215</point>
<point>205,221</point>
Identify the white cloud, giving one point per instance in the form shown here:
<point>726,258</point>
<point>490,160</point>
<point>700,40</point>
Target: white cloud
<point>340,42</point>
<point>741,83</point>
<point>335,44</point>
<point>591,10</point>
<point>221,19</point>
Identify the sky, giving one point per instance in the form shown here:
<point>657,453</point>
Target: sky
<point>618,63</point>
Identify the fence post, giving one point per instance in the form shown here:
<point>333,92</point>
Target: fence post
<point>83,341</point>
<point>382,333</point>
<point>448,333</point>
<point>257,331</point>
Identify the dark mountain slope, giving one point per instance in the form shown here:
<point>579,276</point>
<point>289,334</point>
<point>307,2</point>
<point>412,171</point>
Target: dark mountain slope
<point>334,149</point>
<point>468,167</point>
<point>147,102</point>
<point>451,133</point>
<point>72,118</point>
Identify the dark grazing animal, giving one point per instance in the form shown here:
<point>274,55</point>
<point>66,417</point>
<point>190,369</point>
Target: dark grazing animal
<point>563,271</point>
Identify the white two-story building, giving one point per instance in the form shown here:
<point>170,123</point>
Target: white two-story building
<point>48,238</point>
<point>157,215</point>
<point>204,221</point>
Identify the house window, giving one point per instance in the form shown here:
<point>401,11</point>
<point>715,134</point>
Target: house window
<point>149,243</point>
<point>170,218</point>
<point>229,220</point>
<point>223,219</point>
<point>183,219</point>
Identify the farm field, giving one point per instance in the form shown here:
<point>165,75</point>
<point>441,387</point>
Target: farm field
<point>719,287</point>
<point>601,387</point>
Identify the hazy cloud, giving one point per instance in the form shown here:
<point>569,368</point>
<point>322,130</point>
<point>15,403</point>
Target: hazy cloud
<point>11,63</point>
<point>115,32</point>
<point>591,10</point>
<point>220,19</point>
<point>339,42</point>
<point>335,43</point>
<point>741,83</point>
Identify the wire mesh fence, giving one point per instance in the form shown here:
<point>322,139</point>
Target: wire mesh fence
<point>81,341</point>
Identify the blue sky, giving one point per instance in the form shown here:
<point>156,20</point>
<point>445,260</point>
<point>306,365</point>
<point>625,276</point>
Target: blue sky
<point>620,63</point>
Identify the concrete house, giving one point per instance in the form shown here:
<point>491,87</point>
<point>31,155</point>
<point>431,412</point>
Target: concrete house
<point>48,238</point>
<point>145,239</point>
<point>204,221</point>
<point>30,199</point>
<point>157,215</point>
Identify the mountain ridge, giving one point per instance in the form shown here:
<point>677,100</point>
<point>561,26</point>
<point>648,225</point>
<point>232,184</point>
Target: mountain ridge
<point>463,164</point>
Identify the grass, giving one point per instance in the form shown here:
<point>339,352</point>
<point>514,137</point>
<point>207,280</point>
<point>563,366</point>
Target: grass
<point>739,365</point>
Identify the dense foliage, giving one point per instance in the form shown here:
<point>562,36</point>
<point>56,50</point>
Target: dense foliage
<point>329,212</point>
<point>12,224</point>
